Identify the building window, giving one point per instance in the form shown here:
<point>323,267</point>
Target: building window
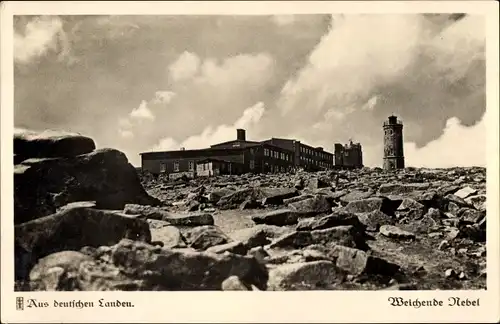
<point>176,166</point>
<point>191,166</point>
<point>163,167</point>
<point>252,164</point>
<point>266,152</point>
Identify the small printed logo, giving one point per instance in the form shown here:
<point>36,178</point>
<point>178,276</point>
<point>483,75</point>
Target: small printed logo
<point>19,303</point>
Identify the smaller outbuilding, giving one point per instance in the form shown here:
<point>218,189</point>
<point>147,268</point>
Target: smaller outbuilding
<point>214,167</point>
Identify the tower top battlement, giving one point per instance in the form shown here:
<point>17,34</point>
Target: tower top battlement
<point>393,121</point>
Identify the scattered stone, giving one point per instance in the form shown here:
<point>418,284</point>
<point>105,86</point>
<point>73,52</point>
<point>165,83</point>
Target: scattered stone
<point>258,253</point>
<point>168,235</point>
<point>336,219</point>
<point>48,273</point>
<point>355,195</point>
<point>259,234</point>
<point>357,262</point>
<point>465,192</point>
<point>478,201</point>
<point>341,235</point>
<point>450,274</point>
<point>279,217</point>
<point>305,275</point>
<point>194,219</point>
<point>203,237</point>
<point>233,247</point>
<point>311,206</point>
<point>470,216</point>
<point>216,195</point>
<point>453,208</point>
<point>297,198</point>
<point>401,189</point>
<point>435,234</point>
<point>396,232</point>
<point>456,200</point>
<point>369,205</point>
<point>374,219</point>
<point>316,183</point>
<point>233,283</point>
<point>276,196</point>
<point>410,209</point>
<point>443,245</point>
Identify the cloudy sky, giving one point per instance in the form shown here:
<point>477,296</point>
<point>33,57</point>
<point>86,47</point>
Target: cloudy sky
<point>142,83</point>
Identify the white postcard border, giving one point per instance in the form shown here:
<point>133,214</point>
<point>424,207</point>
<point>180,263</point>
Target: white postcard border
<point>303,306</point>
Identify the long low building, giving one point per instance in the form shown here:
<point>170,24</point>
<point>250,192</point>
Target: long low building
<point>254,157</point>
<point>270,156</point>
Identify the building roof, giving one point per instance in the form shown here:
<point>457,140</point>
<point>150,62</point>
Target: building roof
<point>215,160</point>
<point>195,152</point>
<point>224,147</point>
<point>240,142</point>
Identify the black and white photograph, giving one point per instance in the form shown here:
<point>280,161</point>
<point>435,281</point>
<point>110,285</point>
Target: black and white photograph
<point>250,152</point>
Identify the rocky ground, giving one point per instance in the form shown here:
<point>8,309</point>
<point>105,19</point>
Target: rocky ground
<point>85,220</point>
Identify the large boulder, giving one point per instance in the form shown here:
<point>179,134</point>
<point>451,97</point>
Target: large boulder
<point>186,270</point>
<point>131,265</point>
<point>72,229</point>
<point>41,186</point>
<point>49,144</point>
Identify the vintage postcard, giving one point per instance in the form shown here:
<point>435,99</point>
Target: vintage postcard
<point>249,162</point>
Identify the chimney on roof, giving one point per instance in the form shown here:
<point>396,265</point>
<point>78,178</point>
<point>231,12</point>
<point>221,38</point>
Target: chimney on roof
<point>240,134</point>
<point>183,148</point>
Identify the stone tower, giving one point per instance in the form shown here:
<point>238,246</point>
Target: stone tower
<point>393,144</point>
